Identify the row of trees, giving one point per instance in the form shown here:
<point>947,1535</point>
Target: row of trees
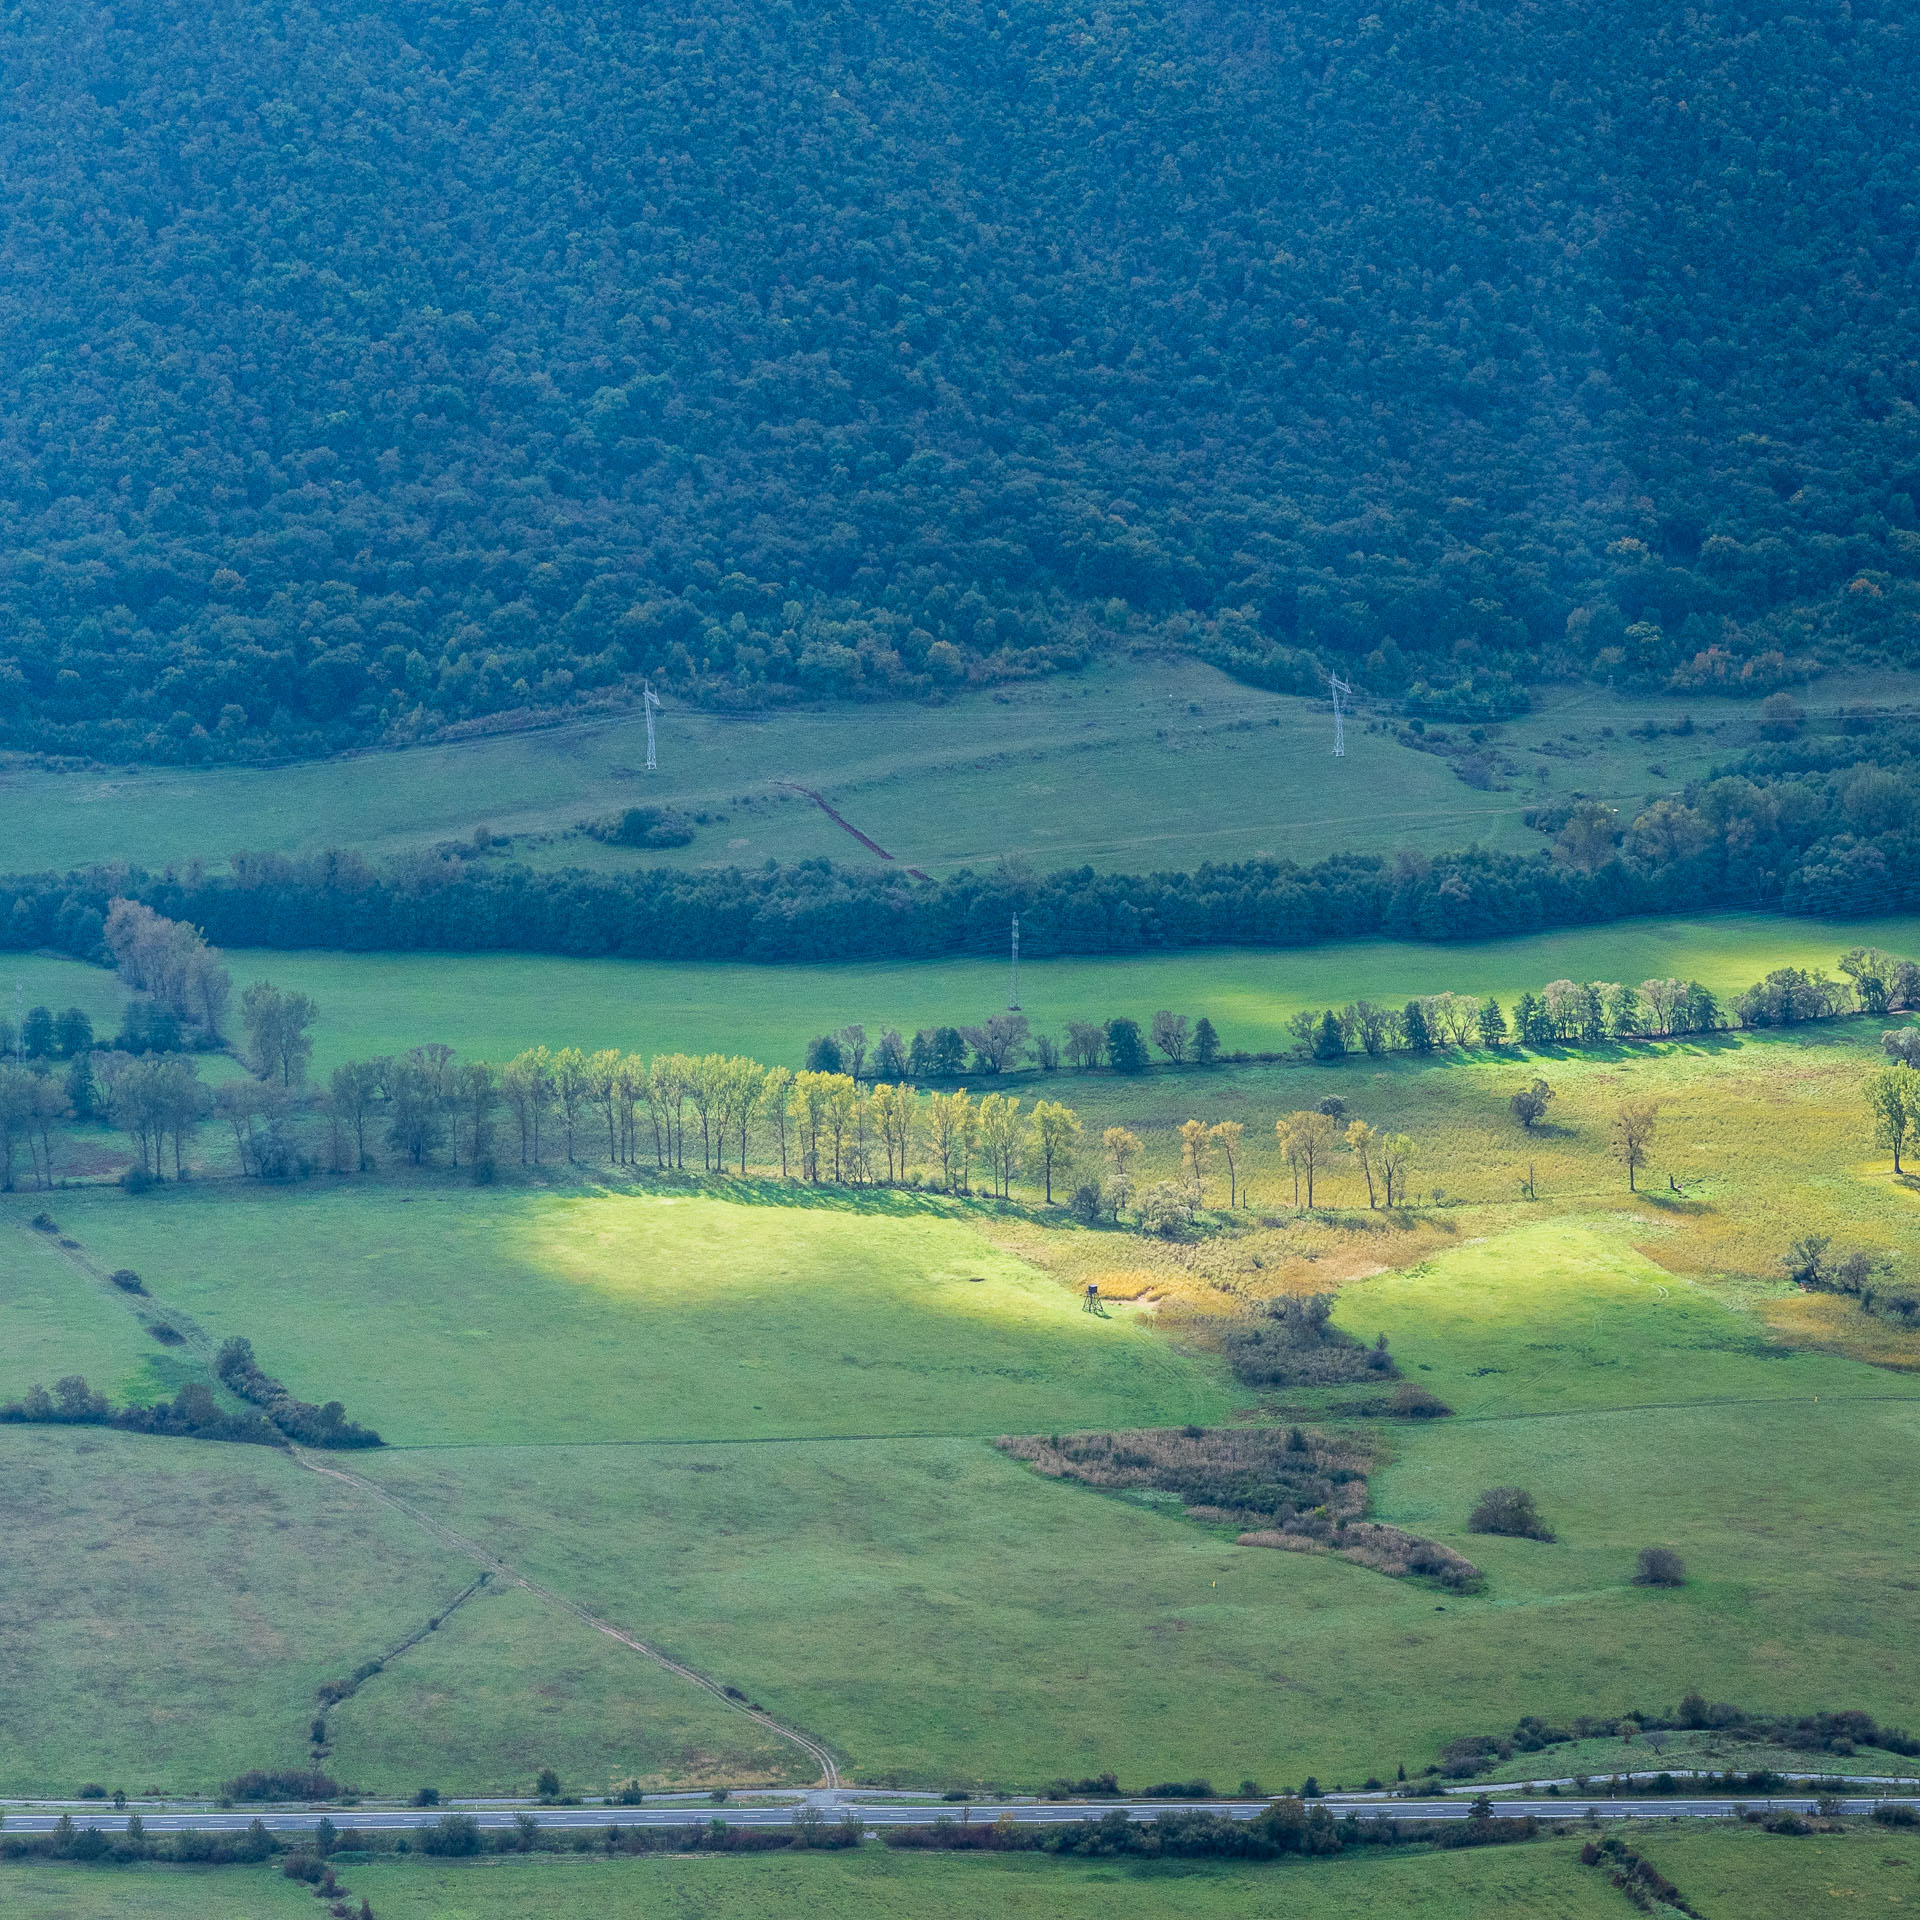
<point>1839,837</point>
<point>1006,1041</point>
<point>721,1112</point>
<point>1592,1012</point>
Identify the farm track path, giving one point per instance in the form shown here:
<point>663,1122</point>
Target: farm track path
<point>502,1570</point>
<point>196,1337</point>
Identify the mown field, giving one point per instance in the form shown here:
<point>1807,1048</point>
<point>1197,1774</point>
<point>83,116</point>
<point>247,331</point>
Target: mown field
<point>1128,766</point>
<point>1545,1882</point>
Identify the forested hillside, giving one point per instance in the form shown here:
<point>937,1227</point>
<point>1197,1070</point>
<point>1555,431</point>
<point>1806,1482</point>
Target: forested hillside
<point>371,368</point>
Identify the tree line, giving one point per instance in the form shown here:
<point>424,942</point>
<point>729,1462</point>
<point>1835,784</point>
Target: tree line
<point>1591,1013</point>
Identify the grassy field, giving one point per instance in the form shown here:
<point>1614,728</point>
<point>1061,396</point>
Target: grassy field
<point>1123,767</point>
<point>1545,1882</point>
<point>491,1005</point>
<point>750,1424</point>
<point>1739,1873</point>
<point>170,1606</point>
<point>463,1318</point>
<point>655,1404</point>
<point>1727,1873</point>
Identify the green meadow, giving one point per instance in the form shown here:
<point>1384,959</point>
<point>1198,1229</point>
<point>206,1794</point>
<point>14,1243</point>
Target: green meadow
<point>757,1436</point>
<point>1545,1882</point>
<point>1127,766</point>
<point>1740,1873</point>
<point>491,1005</point>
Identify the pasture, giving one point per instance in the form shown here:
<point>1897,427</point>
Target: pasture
<point>491,1005</point>
<point>751,1423</point>
<point>1545,1881</point>
<point>1126,766</point>
<point>672,1408</point>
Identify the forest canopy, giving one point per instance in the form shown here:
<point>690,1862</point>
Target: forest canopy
<point>371,370</point>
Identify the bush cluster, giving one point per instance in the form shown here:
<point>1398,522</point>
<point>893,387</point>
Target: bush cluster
<point>300,1420</point>
<point>1287,1827</point>
<point>192,1414</point>
<point>1295,1344</point>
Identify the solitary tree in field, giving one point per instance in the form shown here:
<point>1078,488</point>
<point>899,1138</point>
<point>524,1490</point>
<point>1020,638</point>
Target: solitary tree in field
<point>776,1103</point>
<point>1053,1134</point>
<point>1395,1157</point>
<point>277,1031</point>
<point>1123,1149</point>
<point>1363,1144</point>
<point>1170,1034</point>
<point>1227,1136</point>
<point>1634,1125</point>
<point>1893,1098</point>
<point>1086,1044</point>
<point>1125,1049</point>
<point>1206,1042</point>
<point>350,1101</point>
<point>1195,1156</point>
<point>1306,1140</point>
<point>1530,1104</point>
<point>1000,1138</point>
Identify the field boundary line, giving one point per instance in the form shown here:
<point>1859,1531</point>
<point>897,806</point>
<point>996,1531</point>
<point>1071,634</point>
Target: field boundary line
<point>459,1543</point>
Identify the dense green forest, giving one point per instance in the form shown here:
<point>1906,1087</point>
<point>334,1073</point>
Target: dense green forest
<point>1816,827</point>
<point>375,368</point>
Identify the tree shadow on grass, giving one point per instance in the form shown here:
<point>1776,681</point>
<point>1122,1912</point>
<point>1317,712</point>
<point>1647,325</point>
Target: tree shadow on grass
<point>1676,1203</point>
<point>755,1190</point>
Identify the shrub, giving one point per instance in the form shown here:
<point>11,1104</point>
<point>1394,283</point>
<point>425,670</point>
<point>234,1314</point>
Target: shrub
<point>127,1280</point>
<point>1411,1401</point>
<point>427,1797</point>
<point>1508,1510</point>
<point>1296,1344</point>
<point>1660,1567</point>
<point>280,1785</point>
<point>300,1420</point>
<point>548,1785</point>
<point>1530,1104</point>
<point>645,827</point>
<point>1085,1205</point>
<point>453,1834</point>
<point>1896,1813</point>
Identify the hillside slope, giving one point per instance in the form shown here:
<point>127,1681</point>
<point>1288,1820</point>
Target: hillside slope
<point>370,368</point>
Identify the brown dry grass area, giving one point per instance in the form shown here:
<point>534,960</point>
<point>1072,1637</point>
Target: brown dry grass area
<point>1246,1260</point>
<point>1179,1460</point>
<point>1832,1323</point>
<point>1764,1133</point>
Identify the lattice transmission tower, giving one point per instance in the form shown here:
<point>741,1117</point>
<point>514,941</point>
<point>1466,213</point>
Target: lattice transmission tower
<point>653,707</point>
<point>1341,693</point>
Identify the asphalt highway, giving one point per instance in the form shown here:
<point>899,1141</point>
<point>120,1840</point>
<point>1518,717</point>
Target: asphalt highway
<point>875,1814</point>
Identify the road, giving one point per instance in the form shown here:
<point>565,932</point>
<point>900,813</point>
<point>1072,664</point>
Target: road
<point>875,1813</point>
